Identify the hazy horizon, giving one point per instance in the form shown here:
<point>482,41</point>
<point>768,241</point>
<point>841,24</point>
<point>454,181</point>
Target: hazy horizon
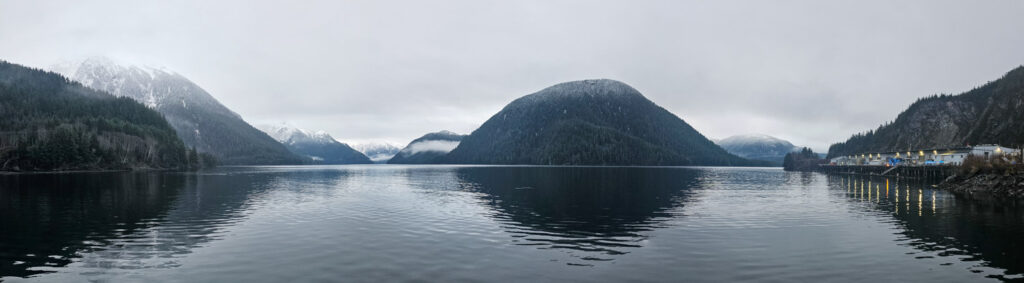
<point>808,72</point>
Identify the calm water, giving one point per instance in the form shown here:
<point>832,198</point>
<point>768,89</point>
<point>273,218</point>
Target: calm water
<point>450,223</point>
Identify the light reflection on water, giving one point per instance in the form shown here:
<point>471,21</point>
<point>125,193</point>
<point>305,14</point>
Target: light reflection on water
<point>487,223</point>
<point>978,236</point>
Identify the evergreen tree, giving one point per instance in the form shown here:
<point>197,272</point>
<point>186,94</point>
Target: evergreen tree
<point>51,123</point>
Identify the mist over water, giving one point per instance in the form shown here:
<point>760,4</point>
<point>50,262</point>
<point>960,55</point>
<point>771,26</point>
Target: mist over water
<point>494,223</point>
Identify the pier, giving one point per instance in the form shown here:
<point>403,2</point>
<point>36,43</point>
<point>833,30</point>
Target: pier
<point>902,171</point>
<point>921,164</point>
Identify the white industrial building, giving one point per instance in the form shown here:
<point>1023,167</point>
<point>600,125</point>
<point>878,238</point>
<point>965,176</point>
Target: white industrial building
<point>927,157</point>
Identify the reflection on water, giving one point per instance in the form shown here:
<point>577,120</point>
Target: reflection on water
<point>596,212</point>
<point>983,236</point>
<point>118,220</point>
<point>48,220</point>
<point>490,223</point>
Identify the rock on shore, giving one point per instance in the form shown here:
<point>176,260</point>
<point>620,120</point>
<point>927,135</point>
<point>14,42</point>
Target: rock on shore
<point>1000,186</point>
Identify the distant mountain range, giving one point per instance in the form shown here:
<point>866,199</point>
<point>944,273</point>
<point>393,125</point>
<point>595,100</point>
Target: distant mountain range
<point>198,119</point>
<point>758,147</point>
<point>590,122</point>
<point>51,123</point>
<point>428,149</point>
<point>318,146</point>
<point>992,113</point>
<point>379,152</point>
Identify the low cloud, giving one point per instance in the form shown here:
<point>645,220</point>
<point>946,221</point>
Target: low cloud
<point>381,157</point>
<point>430,146</point>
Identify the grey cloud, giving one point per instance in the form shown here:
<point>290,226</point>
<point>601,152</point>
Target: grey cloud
<point>813,72</point>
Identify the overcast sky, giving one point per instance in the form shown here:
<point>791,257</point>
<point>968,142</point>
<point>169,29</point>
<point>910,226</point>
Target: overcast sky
<point>807,71</point>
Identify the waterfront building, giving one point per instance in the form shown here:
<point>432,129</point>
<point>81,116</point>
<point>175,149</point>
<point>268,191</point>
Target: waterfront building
<point>927,157</point>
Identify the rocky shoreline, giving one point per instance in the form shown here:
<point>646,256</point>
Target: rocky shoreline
<point>990,185</point>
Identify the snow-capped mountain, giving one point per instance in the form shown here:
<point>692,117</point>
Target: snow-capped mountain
<point>378,152</point>
<point>291,135</point>
<point>758,147</point>
<point>197,118</point>
<point>319,146</point>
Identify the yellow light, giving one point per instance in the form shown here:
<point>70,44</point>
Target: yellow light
<point>921,153</point>
<point>935,152</point>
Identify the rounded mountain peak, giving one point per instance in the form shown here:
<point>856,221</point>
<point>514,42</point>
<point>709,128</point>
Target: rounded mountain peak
<point>595,87</point>
<point>752,138</point>
<point>588,122</point>
<point>580,91</point>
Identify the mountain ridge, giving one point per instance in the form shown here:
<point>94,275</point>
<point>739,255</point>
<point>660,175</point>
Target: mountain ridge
<point>991,113</point>
<point>198,118</point>
<point>319,146</point>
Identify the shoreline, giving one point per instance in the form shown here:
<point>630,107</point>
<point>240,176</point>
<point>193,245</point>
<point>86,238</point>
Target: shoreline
<point>85,171</point>
<point>987,186</point>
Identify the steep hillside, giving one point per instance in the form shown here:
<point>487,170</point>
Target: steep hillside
<point>992,113</point>
<point>50,123</point>
<point>198,118</point>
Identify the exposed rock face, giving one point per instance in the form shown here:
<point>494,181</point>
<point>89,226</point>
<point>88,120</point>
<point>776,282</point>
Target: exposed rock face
<point>993,113</point>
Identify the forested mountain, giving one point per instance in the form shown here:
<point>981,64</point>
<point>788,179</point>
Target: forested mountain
<point>378,152</point>
<point>318,146</point>
<point>48,122</point>
<point>992,113</point>
<point>198,118</point>
<point>591,122</point>
<point>428,149</point>
<point>802,160</point>
<point>758,147</point>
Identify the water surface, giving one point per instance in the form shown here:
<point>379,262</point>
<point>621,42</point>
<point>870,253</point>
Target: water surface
<point>491,223</point>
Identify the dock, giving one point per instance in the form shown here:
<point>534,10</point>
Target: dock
<point>914,172</point>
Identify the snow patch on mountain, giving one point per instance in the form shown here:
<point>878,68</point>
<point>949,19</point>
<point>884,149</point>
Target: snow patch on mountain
<point>758,147</point>
<point>582,88</point>
<point>378,152</point>
<point>197,117</point>
<point>291,135</point>
<point>752,139</point>
<point>120,79</point>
